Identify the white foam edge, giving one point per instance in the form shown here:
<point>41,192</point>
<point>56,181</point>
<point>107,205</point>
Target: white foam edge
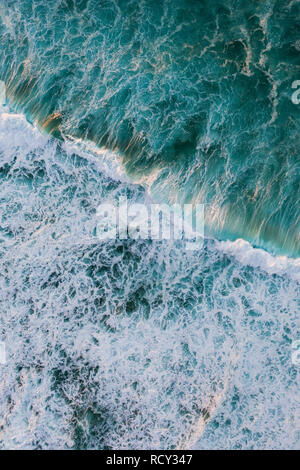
<point>246,254</point>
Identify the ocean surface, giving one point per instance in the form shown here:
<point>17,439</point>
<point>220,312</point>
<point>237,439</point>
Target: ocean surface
<point>140,343</point>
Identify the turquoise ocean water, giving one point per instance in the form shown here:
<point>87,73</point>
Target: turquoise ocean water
<point>141,343</point>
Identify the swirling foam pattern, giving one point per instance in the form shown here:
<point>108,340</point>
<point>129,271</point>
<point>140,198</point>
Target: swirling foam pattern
<point>196,94</point>
<point>140,343</point>
<point>133,344</point>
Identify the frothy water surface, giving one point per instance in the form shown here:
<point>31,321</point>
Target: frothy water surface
<point>196,97</point>
<point>130,344</point>
<point>142,344</point>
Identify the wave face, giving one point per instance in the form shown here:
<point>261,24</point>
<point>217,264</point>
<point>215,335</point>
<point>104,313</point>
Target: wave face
<point>140,344</point>
<point>196,95</point>
<point>135,343</point>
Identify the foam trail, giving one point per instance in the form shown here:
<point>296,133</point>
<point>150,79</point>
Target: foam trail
<point>198,111</point>
<point>129,344</point>
<point>246,254</point>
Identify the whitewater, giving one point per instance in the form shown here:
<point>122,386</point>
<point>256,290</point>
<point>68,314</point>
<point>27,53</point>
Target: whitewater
<point>136,343</point>
<point>144,343</point>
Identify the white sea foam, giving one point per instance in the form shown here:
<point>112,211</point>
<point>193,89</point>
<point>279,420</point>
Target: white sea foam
<point>105,160</point>
<point>19,137</point>
<point>244,252</point>
<point>146,346</point>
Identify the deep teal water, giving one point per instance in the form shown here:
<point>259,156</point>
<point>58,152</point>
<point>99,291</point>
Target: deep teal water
<point>196,92</point>
<point>141,343</point>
